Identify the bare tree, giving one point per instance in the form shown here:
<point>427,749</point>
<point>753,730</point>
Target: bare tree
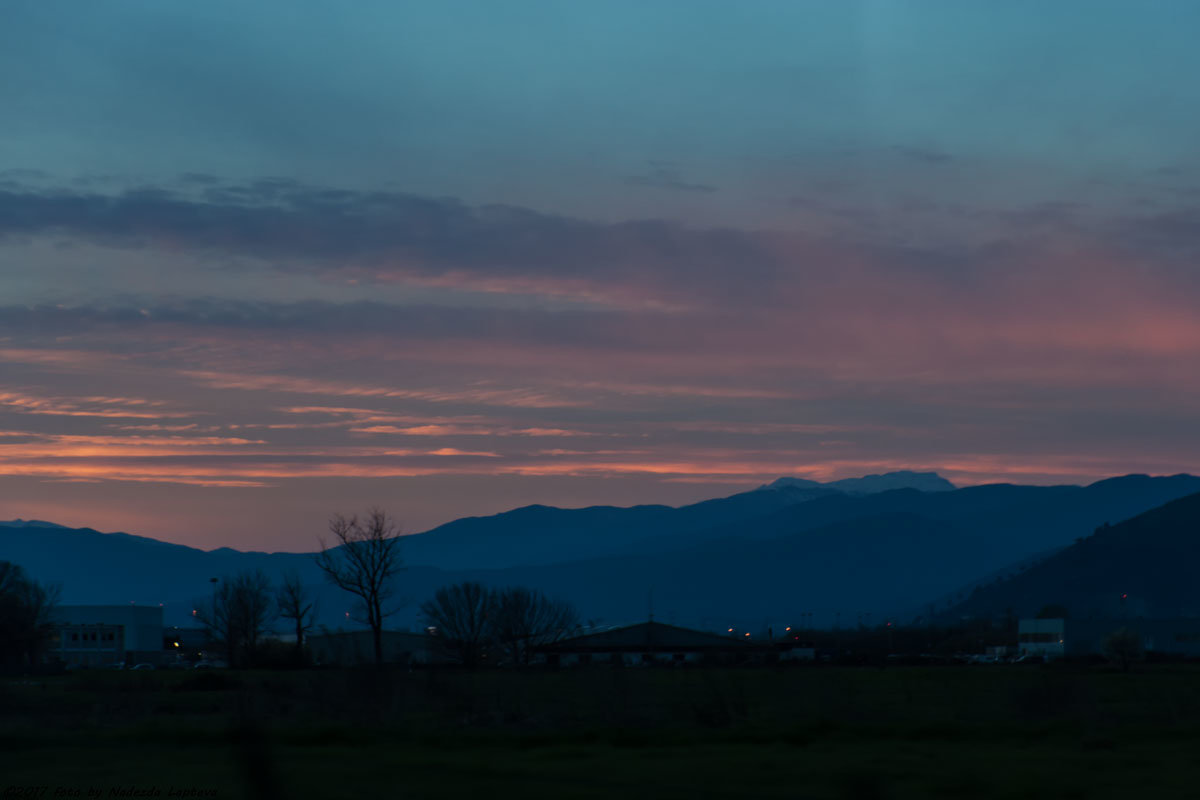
<point>462,616</point>
<point>237,614</point>
<point>216,615</point>
<point>296,603</point>
<point>526,619</point>
<point>364,561</point>
<point>26,617</point>
<point>254,608</point>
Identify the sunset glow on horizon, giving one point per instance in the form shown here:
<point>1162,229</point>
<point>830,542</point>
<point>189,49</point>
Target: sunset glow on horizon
<point>243,287</point>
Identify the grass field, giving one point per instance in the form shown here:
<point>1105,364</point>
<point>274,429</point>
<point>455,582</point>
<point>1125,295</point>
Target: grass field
<point>820,732</point>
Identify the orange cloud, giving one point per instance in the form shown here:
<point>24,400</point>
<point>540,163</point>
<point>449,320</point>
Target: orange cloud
<point>466,430</point>
<point>516,398</point>
<point>84,359</point>
<point>110,407</point>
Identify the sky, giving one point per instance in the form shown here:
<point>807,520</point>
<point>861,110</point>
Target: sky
<point>260,263</point>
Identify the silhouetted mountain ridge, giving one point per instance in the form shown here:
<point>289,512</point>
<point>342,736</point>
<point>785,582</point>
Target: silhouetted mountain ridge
<point>745,558</point>
<point>870,484</point>
<point>1144,566</point>
<point>540,534</point>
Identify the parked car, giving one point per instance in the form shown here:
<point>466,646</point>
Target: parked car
<point>144,666</point>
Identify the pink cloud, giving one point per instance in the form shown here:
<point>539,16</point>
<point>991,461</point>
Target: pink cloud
<point>108,407</point>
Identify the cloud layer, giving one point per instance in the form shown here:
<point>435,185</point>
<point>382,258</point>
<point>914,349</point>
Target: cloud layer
<point>453,260</point>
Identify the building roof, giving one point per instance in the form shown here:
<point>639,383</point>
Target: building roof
<point>646,637</point>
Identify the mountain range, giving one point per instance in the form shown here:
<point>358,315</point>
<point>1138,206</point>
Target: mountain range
<point>893,546</point>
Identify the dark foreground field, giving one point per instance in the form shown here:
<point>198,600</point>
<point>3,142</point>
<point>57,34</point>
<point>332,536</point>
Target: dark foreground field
<point>825,732</point>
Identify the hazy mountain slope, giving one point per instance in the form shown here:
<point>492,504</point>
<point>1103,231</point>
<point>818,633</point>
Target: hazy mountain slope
<point>877,564</point>
<point>1151,559</point>
<point>1013,521</point>
<point>888,553</point>
<point>936,607</point>
<point>544,535</point>
<point>119,567</point>
<point>893,553</point>
<point>529,535</point>
<point>852,567</point>
<point>94,567</point>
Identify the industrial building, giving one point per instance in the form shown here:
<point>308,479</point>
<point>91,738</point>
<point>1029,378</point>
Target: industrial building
<point>1042,637</point>
<point>94,636</point>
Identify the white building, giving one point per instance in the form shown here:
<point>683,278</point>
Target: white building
<point>100,635</point>
<point>1042,637</point>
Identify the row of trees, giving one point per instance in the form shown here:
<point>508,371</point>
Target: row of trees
<point>363,560</point>
<point>243,607</point>
<point>478,624</point>
<point>473,622</point>
<point>26,617</point>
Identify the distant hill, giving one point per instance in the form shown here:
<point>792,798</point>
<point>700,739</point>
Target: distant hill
<point>871,484</point>
<point>752,557</point>
<point>1144,566</point>
<point>1012,522</point>
<point>547,535</point>
<point>869,565</point>
<point>1016,520</point>
<point>895,553</point>
<point>95,567</point>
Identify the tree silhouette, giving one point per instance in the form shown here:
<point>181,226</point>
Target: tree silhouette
<point>26,611</point>
<point>237,615</point>
<point>462,616</point>
<point>526,619</point>
<point>364,561</point>
<point>296,603</point>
